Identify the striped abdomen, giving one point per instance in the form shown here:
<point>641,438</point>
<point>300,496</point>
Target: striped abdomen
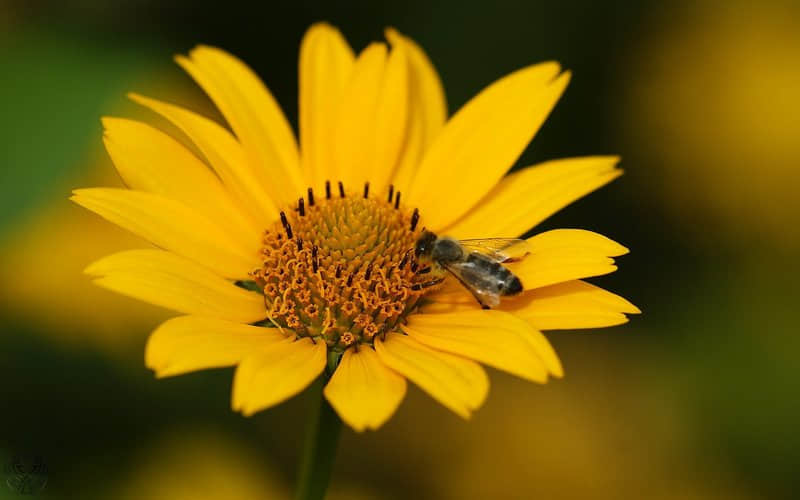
<point>484,273</point>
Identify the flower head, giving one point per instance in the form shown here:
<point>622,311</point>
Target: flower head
<point>286,260</point>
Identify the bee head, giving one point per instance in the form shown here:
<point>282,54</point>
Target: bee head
<point>425,243</point>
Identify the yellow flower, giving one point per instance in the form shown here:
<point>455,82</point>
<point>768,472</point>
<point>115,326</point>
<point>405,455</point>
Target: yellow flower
<point>286,259</point>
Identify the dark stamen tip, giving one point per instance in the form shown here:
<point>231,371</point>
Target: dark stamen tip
<point>397,200</point>
<point>341,189</point>
<point>310,197</point>
<point>286,225</point>
<point>301,207</point>
<point>391,192</point>
<point>368,272</point>
<point>327,190</point>
<point>314,257</point>
<point>366,190</point>
<point>404,260</point>
<point>338,270</point>
<point>414,219</point>
<point>299,243</point>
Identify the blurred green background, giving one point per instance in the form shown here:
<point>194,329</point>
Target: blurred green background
<point>697,398</point>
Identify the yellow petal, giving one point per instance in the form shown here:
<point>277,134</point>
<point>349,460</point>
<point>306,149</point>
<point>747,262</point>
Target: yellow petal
<point>565,255</point>
<point>355,136</point>
<point>168,280</point>
<point>170,225</point>
<point>456,304</point>
<point>564,306</point>
<point>326,63</point>
<point>572,305</point>
<point>494,338</point>
<point>254,116</point>
<point>457,383</point>
<point>525,198</point>
<point>427,110</point>
<point>275,373</point>
<point>189,343</point>
<point>391,118</point>
<point>546,353</point>
<point>482,141</point>
<point>363,391</point>
<point>140,153</point>
<point>225,155</point>
<point>426,86</point>
<point>413,150</point>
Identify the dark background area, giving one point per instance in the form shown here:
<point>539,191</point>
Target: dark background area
<point>696,398</point>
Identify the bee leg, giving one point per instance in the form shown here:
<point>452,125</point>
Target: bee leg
<point>421,286</point>
<point>480,302</point>
<point>483,306</point>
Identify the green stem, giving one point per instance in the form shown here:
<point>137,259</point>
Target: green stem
<point>322,439</point>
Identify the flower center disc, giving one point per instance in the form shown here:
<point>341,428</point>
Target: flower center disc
<point>342,268</point>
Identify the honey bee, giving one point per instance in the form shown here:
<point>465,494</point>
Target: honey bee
<point>477,264</point>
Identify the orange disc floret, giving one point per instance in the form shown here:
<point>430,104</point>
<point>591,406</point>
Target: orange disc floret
<point>341,268</point>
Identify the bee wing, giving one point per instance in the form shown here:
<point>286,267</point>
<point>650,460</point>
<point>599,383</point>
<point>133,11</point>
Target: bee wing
<point>498,249</point>
<point>463,273</point>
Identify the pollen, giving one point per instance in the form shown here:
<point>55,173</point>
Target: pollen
<point>341,268</point>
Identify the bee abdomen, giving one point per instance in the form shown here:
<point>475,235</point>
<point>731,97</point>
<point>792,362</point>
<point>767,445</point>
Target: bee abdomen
<point>514,286</point>
<point>504,281</point>
<point>483,262</point>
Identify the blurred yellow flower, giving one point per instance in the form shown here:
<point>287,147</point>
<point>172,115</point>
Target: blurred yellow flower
<point>288,259</point>
<point>199,464</point>
<point>53,246</point>
<point>714,98</point>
